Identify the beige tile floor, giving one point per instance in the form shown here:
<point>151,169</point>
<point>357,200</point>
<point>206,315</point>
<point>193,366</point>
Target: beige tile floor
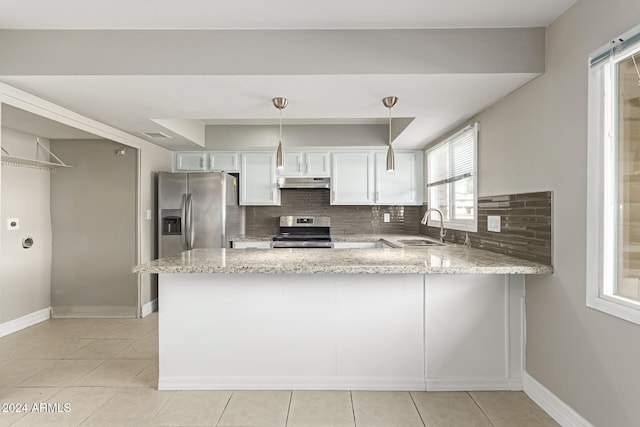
<point>104,372</point>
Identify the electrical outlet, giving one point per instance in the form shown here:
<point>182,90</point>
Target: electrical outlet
<point>149,214</point>
<point>493,223</point>
<point>13,224</point>
<point>386,217</point>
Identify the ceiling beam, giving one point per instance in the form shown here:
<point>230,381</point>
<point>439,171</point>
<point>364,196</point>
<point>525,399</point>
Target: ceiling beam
<point>271,52</point>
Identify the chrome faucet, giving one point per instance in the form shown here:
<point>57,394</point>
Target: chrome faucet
<point>426,217</point>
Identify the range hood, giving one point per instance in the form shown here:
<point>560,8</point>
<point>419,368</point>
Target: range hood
<point>304,182</point>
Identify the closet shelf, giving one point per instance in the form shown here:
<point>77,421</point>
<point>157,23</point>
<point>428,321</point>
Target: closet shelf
<point>9,160</point>
<point>20,161</point>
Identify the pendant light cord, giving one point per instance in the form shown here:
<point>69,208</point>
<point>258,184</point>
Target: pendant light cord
<point>280,125</point>
<point>633,57</point>
<point>389,126</point>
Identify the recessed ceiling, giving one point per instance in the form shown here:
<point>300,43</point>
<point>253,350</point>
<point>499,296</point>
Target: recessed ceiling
<point>278,14</point>
<point>436,101</point>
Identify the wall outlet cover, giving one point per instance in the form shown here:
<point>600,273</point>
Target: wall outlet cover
<point>386,217</point>
<point>13,224</point>
<point>493,223</point>
<point>149,214</point>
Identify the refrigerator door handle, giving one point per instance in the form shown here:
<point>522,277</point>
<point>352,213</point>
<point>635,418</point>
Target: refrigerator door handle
<point>185,222</point>
<point>190,232</point>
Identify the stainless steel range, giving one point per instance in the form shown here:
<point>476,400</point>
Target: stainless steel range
<point>303,232</point>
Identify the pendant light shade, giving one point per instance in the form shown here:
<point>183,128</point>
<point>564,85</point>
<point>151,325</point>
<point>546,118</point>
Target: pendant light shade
<point>390,102</point>
<point>391,161</point>
<point>280,103</point>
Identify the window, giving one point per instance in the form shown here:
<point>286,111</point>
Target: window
<point>613,201</point>
<point>451,180</point>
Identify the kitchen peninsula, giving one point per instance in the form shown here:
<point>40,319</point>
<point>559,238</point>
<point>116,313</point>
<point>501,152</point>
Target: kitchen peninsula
<point>435,318</point>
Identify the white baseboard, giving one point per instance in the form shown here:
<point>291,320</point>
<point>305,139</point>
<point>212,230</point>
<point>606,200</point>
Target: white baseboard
<point>474,384</point>
<point>20,323</point>
<point>97,312</point>
<point>289,383</point>
<point>149,307</point>
<point>556,408</point>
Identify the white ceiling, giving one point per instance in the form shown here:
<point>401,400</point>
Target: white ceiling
<point>438,102</point>
<point>278,14</point>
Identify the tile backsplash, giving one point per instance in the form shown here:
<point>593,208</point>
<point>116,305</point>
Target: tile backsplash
<point>263,220</point>
<point>526,227</point>
<point>525,231</point>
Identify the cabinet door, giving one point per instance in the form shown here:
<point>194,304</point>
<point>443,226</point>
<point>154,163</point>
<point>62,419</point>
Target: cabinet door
<point>401,186</point>
<point>292,164</point>
<point>316,164</point>
<point>351,178</point>
<point>258,179</point>
<point>191,161</point>
<point>223,161</point>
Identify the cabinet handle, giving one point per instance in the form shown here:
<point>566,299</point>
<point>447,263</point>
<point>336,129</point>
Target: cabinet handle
<point>307,165</point>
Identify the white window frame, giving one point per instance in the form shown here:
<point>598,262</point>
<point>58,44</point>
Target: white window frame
<point>463,225</point>
<point>602,203</point>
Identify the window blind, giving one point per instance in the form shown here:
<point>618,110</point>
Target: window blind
<point>619,45</point>
<point>453,159</point>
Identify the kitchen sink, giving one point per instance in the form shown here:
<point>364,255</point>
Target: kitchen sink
<point>420,242</point>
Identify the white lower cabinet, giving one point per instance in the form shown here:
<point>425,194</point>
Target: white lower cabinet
<point>263,244</point>
<point>360,245</point>
<point>341,331</point>
<point>474,336</point>
<point>258,179</point>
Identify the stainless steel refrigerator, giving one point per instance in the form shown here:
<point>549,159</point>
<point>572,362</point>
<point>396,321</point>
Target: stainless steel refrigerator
<point>197,210</point>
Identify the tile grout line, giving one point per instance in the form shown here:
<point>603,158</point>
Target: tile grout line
<point>286,421</point>
<point>481,410</point>
<point>353,409</point>
<point>153,417</point>
<point>225,408</point>
<point>417,410</point>
<point>98,408</point>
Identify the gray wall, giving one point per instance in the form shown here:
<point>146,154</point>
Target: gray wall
<point>25,274</point>
<point>272,52</point>
<point>247,137</point>
<point>536,139</point>
<point>152,159</point>
<point>93,212</point>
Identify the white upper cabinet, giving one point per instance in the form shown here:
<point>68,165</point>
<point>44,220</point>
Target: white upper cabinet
<point>226,161</point>
<point>352,178</point>
<point>313,164</point>
<point>316,164</point>
<point>258,179</point>
<point>191,161</point>
<point>403,186</point>
<point>292,164</point>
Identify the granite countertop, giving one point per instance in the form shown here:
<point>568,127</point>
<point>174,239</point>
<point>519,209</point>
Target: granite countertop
<point>391,239</point>
<point>453,259</point>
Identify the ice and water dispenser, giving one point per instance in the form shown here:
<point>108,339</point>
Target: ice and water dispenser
<point>171,222</point>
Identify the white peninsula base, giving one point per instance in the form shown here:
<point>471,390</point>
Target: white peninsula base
<point>340,331</point>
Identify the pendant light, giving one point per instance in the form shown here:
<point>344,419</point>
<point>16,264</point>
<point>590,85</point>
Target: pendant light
<point>389,102</point>
<point>280,103</point>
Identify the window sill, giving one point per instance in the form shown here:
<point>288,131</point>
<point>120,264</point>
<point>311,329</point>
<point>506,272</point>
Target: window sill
<point>626,310</point>
<point>470,227</point>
